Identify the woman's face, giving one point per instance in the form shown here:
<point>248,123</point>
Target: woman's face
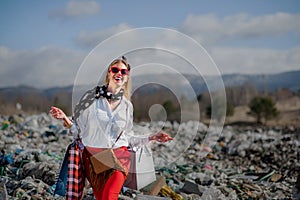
<point>118,75</point>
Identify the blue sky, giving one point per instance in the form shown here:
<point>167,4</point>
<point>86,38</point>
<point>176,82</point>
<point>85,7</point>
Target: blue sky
<point>42,43</point>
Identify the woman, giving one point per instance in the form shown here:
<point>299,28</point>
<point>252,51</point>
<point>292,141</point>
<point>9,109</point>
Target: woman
<point>107,123</point>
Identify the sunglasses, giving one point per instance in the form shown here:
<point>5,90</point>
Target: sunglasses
<point>116,70</point>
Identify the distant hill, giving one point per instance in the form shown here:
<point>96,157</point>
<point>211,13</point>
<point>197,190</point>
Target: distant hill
<point>289,80</point>
<point>33,99</point>
<point>270,82</point>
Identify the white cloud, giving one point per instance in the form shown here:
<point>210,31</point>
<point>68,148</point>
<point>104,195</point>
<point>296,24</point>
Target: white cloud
<point>45,67</point>
<point>54,66</point>
<point>229,60</point>
<point>75,9</point>
<point>256,60</point>
<point>91,39</point>
<point>209,28</point>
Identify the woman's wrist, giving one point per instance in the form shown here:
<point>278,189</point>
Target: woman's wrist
<point>67,122</point>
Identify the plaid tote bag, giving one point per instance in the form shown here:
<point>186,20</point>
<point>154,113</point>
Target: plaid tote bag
<point>76,176</point>
<point>71,178</point>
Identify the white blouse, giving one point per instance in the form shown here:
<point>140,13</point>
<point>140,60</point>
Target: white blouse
<point>100,126</point>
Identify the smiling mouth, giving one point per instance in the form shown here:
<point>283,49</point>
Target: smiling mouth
<point>118,78</point>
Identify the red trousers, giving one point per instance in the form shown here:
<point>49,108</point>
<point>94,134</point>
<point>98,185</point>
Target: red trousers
<point>107,185</point>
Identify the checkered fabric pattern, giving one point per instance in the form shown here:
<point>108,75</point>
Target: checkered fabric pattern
<point>76,177</point>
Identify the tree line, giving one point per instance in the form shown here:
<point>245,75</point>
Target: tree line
<point>262,103</point>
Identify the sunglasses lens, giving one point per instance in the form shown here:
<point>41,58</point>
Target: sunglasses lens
<point>123,71</point>
<point>114,70</point>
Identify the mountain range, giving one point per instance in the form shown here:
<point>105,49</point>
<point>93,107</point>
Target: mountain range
<point>38,98</point>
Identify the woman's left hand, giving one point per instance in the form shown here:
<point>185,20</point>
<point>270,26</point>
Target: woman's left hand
<point>160,137</point>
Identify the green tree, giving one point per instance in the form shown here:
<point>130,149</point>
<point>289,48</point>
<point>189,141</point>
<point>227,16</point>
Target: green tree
<point>263,108</point>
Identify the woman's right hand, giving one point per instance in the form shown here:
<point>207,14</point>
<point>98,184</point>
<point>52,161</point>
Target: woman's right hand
<point>57,113</point>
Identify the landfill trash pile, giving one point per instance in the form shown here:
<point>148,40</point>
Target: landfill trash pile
<point>200,163</point>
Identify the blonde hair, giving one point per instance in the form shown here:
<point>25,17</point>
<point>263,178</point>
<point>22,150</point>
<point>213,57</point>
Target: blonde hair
<point>127,85</point>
